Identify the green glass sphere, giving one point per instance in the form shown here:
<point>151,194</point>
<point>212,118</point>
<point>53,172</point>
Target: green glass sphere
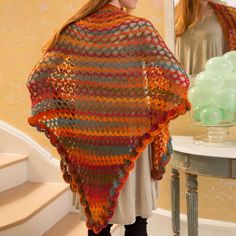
<point>211,115</point>
<point>196,113</point>
<point>209,82</point>
<point>208,76</point>
<point>229,115</point>
<point>199,97</point>
<point>230,81</point>
<point>219,65</point>
<point>231,56</point>
<point>226,99</point>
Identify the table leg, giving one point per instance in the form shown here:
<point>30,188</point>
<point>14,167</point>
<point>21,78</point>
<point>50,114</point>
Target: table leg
<point>192,204</point>
<point>175,202</point>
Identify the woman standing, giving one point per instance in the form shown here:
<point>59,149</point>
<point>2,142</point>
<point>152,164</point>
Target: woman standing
<point>104,93</point>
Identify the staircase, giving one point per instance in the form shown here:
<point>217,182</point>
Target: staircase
<point>25,207</point>
<point>34,199</point>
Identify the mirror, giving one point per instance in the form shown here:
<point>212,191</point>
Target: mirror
<point>199,38</point>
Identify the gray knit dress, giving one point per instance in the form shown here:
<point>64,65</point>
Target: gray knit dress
<point>198,44</point>
<point>138,197</point>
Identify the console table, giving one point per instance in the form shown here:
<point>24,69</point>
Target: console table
<point>196,159</point>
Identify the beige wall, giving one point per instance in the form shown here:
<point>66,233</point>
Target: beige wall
<point>24,26</point>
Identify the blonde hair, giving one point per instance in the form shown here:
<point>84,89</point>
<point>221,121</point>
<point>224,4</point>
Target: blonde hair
<point>187,15</point>
<point>90,7</point>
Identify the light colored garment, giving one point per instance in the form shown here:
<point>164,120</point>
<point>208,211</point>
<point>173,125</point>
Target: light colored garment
<point>200,43</point>
<point>138,197</point>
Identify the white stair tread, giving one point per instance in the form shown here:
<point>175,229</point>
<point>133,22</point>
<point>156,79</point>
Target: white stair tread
<point>20,203</point>
<point>69,225</point>
<point>7,159</point>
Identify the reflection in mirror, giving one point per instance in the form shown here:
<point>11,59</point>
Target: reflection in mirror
<point>204,29</point>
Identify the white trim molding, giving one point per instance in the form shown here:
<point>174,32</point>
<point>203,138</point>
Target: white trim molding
<point>42,166</point>
<point>12,131</point>
<point>169,24</point>
<point>160,224</point>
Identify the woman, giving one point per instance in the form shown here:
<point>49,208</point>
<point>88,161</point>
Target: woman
<point>204,29</point>
<point>104,93</point>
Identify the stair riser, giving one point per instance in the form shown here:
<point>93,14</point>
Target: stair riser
<point>13,175</point>
<point>44,219</point>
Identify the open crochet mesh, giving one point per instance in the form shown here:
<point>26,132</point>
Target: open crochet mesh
<point>227,18</point>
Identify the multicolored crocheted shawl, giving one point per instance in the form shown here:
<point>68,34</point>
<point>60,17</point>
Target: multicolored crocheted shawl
<point>108,88</point>
<point>227,18</point>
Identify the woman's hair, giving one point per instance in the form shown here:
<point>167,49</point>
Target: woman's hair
<point>90,7</point>
<point>187,14</point>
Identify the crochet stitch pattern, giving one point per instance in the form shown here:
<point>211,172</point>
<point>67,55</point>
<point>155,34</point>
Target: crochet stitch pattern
<point>109,87</point>
<point>227,18</point>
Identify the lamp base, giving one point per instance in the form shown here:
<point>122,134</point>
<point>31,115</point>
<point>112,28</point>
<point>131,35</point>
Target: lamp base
<point>216,136</point>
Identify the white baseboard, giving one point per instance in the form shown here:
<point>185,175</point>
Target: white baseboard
<point>160,225</point>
